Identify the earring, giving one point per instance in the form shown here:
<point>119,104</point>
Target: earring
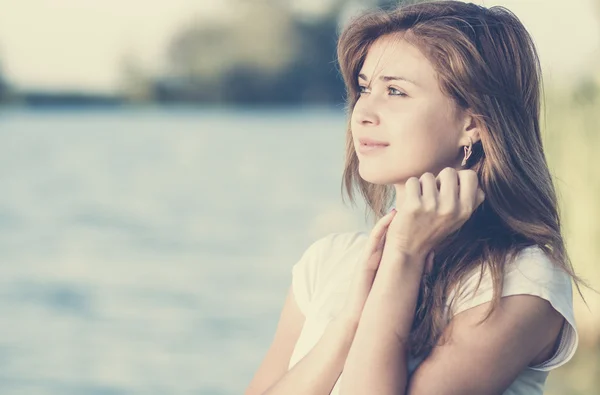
<point>468,152</point>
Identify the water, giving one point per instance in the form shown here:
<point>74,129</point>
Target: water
<point>149,251</point>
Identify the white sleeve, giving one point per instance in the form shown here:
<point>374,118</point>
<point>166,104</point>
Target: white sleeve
<point>305,272</point>
<point>532,273</point>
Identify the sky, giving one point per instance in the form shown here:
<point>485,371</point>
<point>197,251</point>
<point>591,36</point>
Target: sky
<point>78,44</point>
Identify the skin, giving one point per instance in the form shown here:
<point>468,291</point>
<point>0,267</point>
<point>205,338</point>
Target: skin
<point>426,132</point>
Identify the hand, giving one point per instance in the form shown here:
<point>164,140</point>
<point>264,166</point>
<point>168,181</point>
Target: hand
<point>365,271</point>
<point>427,215</point>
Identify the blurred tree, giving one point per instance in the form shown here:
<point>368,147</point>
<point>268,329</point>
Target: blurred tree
<point>585,91</point>
<point>4,89</point>
<point>135,82</point>
<point>255,38</point>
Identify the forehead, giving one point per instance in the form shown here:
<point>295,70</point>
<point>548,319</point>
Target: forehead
<point>392,55</point>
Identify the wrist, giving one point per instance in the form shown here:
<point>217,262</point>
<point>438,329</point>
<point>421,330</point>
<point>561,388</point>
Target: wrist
<point>408,262</point>
<point>397,268</point>
<point>405,254</point>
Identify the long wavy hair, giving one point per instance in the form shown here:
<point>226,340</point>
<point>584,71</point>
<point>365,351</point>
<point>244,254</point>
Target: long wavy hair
<point>485,61</point>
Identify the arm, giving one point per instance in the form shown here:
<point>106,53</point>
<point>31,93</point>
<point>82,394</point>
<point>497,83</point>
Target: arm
<point>317,372</point>
<point>486,359</point>
<point>376,361</point>
<point>477,359</point>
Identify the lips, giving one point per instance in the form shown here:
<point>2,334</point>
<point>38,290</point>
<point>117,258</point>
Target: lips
<point>370,149</point>
<point>371,142</point>
<point>374,145</point>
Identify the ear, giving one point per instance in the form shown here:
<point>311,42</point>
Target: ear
<point>471,128</point>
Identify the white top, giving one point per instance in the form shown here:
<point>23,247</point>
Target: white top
<point>322,276</point>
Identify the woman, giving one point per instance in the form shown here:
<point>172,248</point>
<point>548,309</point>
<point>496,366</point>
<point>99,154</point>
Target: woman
<point>465,286</point>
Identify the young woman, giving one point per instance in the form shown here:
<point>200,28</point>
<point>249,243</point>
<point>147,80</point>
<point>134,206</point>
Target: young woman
<point>465,286</point>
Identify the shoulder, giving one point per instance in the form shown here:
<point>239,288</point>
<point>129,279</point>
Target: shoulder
<point>323,258</point>
<point>335,243</point>
<point>531,272</point>
<point>534,263</point>
<point>331,247</point>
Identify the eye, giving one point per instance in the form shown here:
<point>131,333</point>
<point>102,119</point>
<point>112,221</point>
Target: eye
<point>395,92</point>
<point>360,89</point>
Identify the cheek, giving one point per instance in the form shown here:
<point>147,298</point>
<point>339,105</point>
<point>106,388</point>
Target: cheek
<point>437,118</point>
<point>426,138</point>
<point>421,127</point>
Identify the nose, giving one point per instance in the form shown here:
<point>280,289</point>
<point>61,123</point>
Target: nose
<point>364,113</point>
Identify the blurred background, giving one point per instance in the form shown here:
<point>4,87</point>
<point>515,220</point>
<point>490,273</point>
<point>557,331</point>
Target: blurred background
<point>165,163</point>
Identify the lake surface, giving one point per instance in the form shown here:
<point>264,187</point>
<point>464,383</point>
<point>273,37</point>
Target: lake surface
<point>149,251</point>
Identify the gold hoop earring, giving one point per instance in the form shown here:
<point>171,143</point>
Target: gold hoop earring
<point>468,152</point>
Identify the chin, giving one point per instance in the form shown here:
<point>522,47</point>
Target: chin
<point>383,175</point>
<point>374,175</point>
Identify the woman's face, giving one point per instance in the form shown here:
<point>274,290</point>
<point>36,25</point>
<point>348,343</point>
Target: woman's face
<point>419,124</point>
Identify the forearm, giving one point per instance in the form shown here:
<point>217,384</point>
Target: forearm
<point>317,372</point>
<point>377,360</point>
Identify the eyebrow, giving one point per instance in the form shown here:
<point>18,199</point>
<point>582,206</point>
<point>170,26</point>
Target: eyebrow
<point>389,78</point>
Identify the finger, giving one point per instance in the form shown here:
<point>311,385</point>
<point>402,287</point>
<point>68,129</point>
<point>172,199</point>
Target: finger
<point>480,196</point>
<point>376,241</point>
<point>379,231</point>
<point>468,190</point>
<point>448,185</point>
<point>429,188</point>
<point>412,189</point>
<point>429,262</point>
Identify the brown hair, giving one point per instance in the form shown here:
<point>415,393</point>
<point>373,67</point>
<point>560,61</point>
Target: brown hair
<point>486,62</point>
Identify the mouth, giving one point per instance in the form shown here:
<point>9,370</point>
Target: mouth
<point>366,148</point>
<point>374,145</point>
